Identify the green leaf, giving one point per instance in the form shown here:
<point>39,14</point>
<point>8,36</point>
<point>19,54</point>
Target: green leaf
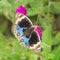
<point>33,57</point>
<point>46,36</point>
<point>45,19</point>
<point>55,7</point>
<point>35,7</point>
<point>3,3</point>
<point>56,39</point>
<point>57,54</point>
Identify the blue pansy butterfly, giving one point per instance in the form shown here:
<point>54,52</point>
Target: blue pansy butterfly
<point>26,33</point>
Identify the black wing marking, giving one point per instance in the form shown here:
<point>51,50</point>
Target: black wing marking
<point>25,23</point>
<point>34,38</point>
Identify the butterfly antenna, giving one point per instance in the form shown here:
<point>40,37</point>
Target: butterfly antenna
<point>37,20</point>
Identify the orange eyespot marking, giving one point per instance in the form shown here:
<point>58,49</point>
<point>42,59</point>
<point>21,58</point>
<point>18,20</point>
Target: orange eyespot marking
<point>18,34</point>
<point>21,40</point>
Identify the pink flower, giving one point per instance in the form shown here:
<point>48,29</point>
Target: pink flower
<point>39,31</point>
<point>21,9</point>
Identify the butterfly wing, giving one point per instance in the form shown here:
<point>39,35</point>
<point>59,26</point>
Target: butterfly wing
<point>35,41</point>
<point>21,25</point>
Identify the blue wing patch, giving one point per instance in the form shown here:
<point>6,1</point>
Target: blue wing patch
<point>26,40</point>
<point>20,31</point>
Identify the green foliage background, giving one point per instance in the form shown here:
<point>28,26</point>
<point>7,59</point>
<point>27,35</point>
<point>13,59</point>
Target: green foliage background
<point>44,13</point>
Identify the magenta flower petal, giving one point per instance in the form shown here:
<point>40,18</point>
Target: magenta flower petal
<point>39,31</point>
<point>21,9</point>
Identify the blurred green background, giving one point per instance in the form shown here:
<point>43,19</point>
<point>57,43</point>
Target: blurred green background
<point>44,13</point>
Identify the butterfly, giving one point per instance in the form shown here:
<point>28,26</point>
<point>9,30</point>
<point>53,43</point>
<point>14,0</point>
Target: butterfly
<point>26,33</point>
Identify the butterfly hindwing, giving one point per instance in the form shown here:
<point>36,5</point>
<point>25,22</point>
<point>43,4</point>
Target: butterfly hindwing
<point>33,39</point>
